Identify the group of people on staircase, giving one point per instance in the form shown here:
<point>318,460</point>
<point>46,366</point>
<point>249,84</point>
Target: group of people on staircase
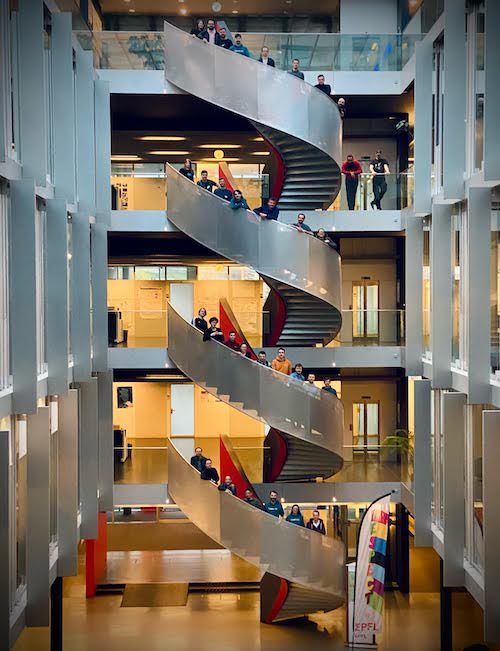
<point>280,363</point>
<point>273,506</point>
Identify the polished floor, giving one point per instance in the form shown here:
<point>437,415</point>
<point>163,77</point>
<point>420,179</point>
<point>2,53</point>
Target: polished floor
<point>230,622</point>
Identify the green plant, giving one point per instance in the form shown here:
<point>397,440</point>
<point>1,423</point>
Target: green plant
<point>401,442</point>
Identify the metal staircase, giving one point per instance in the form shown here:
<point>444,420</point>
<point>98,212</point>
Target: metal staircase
<point>304,570</point>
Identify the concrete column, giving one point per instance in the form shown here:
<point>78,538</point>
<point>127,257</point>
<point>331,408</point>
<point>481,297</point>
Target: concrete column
<point>413,274</point>
<point>22,273</point>
<point>56,295</point>
<point>85,134</point>
<point>106,469</point>
<point>491,528</point>
<point>422,463</point>
<point>441,295</point>
<point>32,88</point>
<point>67,494</point>
<point>5,541</point>
<point>491,92</point>
<point>453,423</point>
<point>423,127</point>
<point>478,283</point>
<point>99,280</point>
<point>89,458</point>
<point>64,107</point>
<point>454,108</point>
<point>38,518</point>
<point>80,297</point>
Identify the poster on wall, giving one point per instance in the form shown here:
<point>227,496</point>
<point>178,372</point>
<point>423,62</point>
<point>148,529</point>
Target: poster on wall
<point>124,397</point>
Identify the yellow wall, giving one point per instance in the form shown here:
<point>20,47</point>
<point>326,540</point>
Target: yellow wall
<point>135,297</point>
<point>140,193</point>
<point>149,417</point>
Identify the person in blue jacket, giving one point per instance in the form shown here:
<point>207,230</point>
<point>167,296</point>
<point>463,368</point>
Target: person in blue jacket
<point>269,211</point>
<point>273,506</point>
<point>297,372</point>
<point>238,46</point>
<point>295,516</point>
<point>238,201</point>
<point>222,191</point>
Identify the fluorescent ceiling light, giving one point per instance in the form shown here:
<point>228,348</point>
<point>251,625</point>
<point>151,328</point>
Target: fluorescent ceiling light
<point>258,139</point>
<point>162,138</point>
<point>220,146</point>
<point>161,152</point>
<point>222,160</point>
<point>125,157</point>
<point>260,153</point>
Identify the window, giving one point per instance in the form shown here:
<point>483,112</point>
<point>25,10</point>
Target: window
<point>437,116</point>
<point>475,88</point>
<point>495,283</point>
<point>437,465</point>
<point>4,288</point>
<point>21,468</point>
<point>40,239</point>
<point>426,291</point>
<point>48,94</point>
<point>474,484</point>
<point>366,428</point>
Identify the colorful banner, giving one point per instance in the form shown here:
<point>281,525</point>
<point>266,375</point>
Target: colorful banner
<point>370,572</point>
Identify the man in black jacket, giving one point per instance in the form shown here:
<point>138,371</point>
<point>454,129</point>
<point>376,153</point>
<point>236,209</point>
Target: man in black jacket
<point>316,523</point>
<point>209,473</point>
<point>325,88</point>
<point>228,486</point>
<point>225,42</point>
<point>213,331</point>
<point>253,501</point>
<point>265,58</point>
<point>269,211</point>
<point>198,460</point>
<point>211,35</point>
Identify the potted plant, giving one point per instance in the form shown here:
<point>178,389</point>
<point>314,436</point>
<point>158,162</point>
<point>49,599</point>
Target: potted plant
<point>401,443</point>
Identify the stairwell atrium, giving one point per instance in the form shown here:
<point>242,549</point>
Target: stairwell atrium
<point>379,279</point>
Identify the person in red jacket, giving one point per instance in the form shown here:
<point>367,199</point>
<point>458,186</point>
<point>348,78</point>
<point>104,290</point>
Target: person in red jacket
<point>351,170</point>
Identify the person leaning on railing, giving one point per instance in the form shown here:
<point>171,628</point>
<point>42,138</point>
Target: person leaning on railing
<point>239,48</point>
<point>252,500</point>
<point>225,42</point>
<point>280,363</point>
<point>238,201</point>
<point>323,237</point>
<point>295,516</point>
<point>209,473</point>
<point>269,211</point>
<point>273,505</point>
<point>199,321</point>
<point>199,28</point>
<point>265,58</point>
<point>316,523</point>
<point>228,486</point>
<point>213,331</point>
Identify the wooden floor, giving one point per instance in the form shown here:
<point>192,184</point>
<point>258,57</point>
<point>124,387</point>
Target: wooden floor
<point>190,566</point>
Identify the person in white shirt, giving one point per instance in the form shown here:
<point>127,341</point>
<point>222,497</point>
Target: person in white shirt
<point>316,523</point>
<point>265,58</point>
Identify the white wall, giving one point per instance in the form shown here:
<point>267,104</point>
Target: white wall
<point>368,17</point>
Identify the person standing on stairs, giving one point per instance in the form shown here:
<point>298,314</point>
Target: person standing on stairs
<point>323,237</point>
<point>213,332</point>
<point>187,170</point>
<point>324,88</point>
<point>301,225</point>
<point>297,372</point>
<point>316,524</point>
<point>205,182</point>
<point>199,321</point>
<point>328,386</point>
<point>262,359</point>
<point>222,191</point>
<point>209,473</point>
<point>198,460</point>
<point>273,506</point>
<point>228,486</point>
<point>210,34</point>
<point>239,48</point>
<point>252,500</point>
<point>199,29</point>
<point>225,42</point>
<point>295,516</point>
<point>295,71</point>
<point>281,363</point>
<point>231,342</point>
<point>269,211</point>
<point>238,201</point>
<point>244,351</point>
<point>265,58</point>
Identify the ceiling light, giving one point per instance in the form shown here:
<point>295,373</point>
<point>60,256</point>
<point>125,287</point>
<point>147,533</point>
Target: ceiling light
<point>165,152</point>
<point>219,154</point>
<point>183,11</point>
<point>216,6</point>
<point>260,153</point>
<point>215,160</point>
<point>234,11</point>
<point>125,157</point>
<point>169,138</point>
<point>258,139</point>
<point>217,146</point>
<point>131,11</point>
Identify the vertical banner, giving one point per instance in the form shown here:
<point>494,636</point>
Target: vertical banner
<point>368,607</point>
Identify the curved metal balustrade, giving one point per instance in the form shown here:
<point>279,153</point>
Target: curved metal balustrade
<point>312,564</point>
<point>304,271</point>
<point>302,123</point>
<point>311,417</point>
<point>304,570</point>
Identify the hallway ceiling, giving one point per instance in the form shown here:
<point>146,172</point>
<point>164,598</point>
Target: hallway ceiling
<point>205,7</point>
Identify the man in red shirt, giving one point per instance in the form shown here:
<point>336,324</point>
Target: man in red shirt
<point>351,170</point>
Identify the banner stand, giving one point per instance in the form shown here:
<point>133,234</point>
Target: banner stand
<point>350,583</point>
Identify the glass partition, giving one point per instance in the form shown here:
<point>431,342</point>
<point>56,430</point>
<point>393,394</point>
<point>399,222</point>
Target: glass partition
<point>317,52</point>
<point>495,284</point>
<point>426,290</point>
<point>371,327</point>
<point>397,193</point>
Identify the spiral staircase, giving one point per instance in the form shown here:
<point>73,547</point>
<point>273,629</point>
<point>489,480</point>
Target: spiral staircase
<point>304,571</point>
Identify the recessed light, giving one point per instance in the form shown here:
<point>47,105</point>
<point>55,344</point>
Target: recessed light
<point>215,160</point>
<point>183,11</point>
<point>234,11</point>
<point>258,139</point>
<point>260,153</point>
<point>218,146</point>
<point>161,152</point>
<point>131,11</point>
<point>125,157</point>
<point>163,138</point>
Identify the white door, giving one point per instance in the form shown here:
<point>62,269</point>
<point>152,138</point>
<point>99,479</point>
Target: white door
<point>182,418</point>
<point>182,299</point>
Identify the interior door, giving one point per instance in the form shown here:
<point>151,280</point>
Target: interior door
<point>182,299</point>
<point>182,418</point>
<point>365,317</point>
<point>366,428</point>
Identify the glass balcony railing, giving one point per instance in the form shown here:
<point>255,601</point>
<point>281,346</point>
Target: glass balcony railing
<point>149,328</point>
<point>317,52</point>
<point>143,186</point>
